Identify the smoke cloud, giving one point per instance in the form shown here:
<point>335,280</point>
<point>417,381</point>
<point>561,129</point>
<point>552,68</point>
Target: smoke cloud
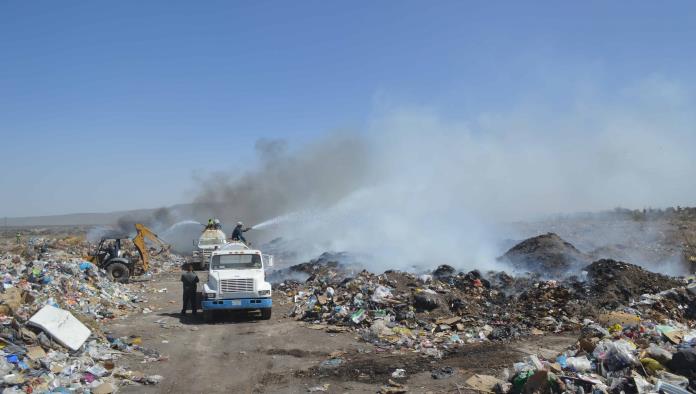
<point>315,177</point>
<point>419,188</point>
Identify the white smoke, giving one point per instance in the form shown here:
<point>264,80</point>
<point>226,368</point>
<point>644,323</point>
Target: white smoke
<point>435,189</point>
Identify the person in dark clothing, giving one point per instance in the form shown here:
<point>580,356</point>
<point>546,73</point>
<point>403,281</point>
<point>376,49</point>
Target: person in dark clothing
<point>237,233</point>
<point>189,280</point>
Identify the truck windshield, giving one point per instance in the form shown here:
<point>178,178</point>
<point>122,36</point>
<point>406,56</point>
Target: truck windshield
<point>236,261</point>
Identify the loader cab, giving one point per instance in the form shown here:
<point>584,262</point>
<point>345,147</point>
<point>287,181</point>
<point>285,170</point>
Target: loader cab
<point>109,256</point>
<point>107,249</point>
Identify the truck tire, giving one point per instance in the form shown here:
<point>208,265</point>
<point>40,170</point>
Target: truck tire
<point>208,316</point>
<point>118,272</point>
<point>265,313</point>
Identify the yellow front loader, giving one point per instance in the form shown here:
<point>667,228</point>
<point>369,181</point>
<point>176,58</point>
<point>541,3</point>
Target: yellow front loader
<point>110,257</point>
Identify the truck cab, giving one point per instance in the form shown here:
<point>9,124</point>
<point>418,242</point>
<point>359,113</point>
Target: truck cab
<point>237,281</point>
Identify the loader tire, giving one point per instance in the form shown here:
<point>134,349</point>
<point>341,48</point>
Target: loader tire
<point>266,314</point>
<point>118,272</point>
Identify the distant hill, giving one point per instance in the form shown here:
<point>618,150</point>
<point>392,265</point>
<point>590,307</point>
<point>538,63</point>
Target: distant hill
<point>163,215</point>
<point>74,219</point>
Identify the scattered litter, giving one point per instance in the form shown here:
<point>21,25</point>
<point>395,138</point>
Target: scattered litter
<point>442,373</point>
<point>331,363</point>
<point>52,303</point>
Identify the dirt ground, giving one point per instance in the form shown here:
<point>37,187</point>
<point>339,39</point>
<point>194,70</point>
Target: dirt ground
<point>239,353</point>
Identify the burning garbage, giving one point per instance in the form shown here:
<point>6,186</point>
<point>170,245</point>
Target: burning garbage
<point>439,312</point>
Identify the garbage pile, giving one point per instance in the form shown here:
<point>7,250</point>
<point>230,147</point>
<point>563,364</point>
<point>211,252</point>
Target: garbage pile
<point>615,283</point>
<point>74,285</point>
<point>625,354</point>
<point>437,312</point>
<point>50,336</point>
<point>547,254</point>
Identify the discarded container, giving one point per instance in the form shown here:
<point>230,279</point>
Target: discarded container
<point>669,388</point>
<point>671,378</point>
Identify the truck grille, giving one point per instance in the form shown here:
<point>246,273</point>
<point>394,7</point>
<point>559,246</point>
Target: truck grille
<point>236,285</point>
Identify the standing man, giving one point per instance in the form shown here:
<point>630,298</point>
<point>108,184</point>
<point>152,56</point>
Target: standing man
<point>237,234</point>
<point>19,238</point>
<point>189,279</point>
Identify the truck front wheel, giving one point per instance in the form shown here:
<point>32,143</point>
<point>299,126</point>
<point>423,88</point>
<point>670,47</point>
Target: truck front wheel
<point>208,316</point>
<point>265,313</point>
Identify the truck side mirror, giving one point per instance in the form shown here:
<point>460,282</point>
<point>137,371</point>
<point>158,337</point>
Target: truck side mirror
<point>268,260</point>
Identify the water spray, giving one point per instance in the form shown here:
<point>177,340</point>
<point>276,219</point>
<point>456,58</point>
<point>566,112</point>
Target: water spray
<point>288,217</point>
<point>177,225</point>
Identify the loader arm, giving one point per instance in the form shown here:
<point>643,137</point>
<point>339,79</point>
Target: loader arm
<point>139,242</point>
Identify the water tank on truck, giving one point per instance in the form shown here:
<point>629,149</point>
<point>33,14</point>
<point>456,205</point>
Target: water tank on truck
<point>210,240</point>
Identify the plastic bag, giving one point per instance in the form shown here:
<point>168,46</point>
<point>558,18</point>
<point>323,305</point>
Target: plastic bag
<point>579,364</point>
<point>358,316</point>
<point>671,378</point>
<point>5,367</point>
<point>380,294</point>
<point>651,365</point>
<point>659,354</point>
<point>615,355</point>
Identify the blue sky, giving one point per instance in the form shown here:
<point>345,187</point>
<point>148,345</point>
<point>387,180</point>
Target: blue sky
<point>117,105</point>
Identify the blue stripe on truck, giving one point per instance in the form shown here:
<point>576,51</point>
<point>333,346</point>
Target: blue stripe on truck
<point>239,303</point>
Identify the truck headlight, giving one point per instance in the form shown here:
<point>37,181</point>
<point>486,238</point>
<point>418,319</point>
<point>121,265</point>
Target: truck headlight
<point>210,295</point>
<point>264,292</point>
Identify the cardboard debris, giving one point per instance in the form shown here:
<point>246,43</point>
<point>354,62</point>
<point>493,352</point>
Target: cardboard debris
<point>35,352</point>
<point>482,382</point>
<point>10,301</point>
<point>450,321</point>
<point>675,336</point>
<point>617,317</point>
<point>104,388</point>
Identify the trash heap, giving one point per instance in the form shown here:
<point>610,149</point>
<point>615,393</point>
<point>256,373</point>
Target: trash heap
<point>547,254</point>
<point>624,354</point>
<point>50,334</point>
<point>73,285</point>
<point>437,312</point>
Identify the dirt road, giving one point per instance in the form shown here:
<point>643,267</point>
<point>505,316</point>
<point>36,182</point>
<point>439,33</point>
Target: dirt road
<point>240,354</point>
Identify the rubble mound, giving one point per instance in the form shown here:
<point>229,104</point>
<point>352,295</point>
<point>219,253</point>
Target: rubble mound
<point>444,271</point>
<point>331,268</point>
<point>547,254</point>
<point>614,283</point>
